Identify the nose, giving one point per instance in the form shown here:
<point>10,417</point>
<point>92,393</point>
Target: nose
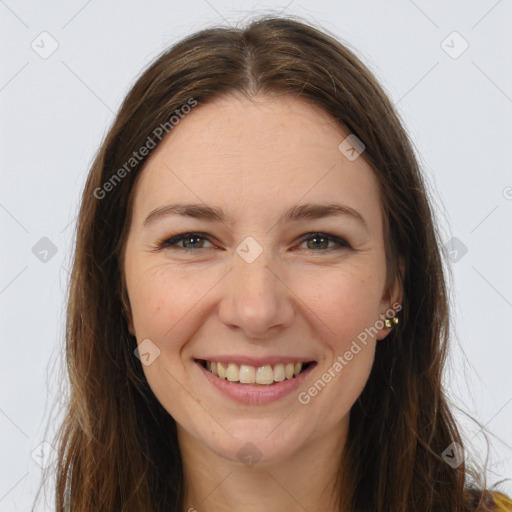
<point>256,301</point>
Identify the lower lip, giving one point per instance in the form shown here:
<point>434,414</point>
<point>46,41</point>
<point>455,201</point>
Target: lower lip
<point>256,394</point>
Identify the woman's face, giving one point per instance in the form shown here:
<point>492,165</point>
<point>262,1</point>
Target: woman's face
<point>247,289</point>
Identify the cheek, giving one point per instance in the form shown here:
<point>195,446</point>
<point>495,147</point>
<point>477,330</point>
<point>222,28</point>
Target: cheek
<point>346,308</point>
<point>162,302</point>
<point>344,301</point>
<point>161,298</point>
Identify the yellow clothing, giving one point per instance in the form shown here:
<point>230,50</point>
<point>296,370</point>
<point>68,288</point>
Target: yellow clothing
<point>503,503</point>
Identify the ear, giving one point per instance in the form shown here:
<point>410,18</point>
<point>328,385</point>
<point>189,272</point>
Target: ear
<point>127,311</point>
<point>391,302</point>
<point>129,319</point>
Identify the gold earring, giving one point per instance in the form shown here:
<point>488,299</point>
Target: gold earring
<point>388,321</point>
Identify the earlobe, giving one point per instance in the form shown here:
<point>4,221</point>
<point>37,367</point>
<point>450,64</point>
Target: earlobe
<point>393,305</point>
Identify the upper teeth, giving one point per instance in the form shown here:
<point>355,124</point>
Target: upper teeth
<point>247,374</point>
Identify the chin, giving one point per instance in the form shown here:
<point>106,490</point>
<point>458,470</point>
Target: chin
<point>261,441</point>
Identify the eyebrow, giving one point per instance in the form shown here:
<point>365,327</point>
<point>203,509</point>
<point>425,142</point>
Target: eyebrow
<point>297,213</point>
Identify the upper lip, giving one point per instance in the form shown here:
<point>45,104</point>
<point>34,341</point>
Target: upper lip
<point>256,361</point>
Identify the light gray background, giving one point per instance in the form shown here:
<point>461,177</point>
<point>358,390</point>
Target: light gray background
<point>55,111</point>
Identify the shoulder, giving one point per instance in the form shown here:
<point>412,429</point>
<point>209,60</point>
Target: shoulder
<point>488,501</point>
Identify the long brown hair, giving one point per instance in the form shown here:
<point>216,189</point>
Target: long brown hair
<point>118,447</point>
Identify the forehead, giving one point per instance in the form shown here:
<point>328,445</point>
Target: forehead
<point>256,157</point>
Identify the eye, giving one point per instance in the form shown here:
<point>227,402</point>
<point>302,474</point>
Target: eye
<point>191,241</point>
<point>319,241</point>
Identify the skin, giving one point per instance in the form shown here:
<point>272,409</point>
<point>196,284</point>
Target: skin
<point>256,159</point>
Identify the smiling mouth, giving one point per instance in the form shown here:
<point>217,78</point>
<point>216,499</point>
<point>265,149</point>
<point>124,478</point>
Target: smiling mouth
<point>266,375</point>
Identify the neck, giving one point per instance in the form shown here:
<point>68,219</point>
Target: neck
<point>305,481</point>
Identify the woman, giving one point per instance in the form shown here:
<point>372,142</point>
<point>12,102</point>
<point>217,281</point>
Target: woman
<point>258,313</point>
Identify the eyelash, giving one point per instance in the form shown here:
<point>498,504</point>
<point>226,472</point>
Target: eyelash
<point>171,242</point>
